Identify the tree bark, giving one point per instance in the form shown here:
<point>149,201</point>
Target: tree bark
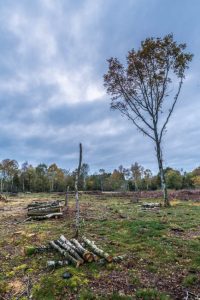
<point>57,263</point>
<point>70,250</point>
<point>67,198</point>
<point>48,216</point>
<point>1,185</point>
<point>116,259</point>
<point>38,205</point>
<point>160,166</point>
<point>162,175</point>
<point>97,251</point>
<point>64,253</point>
<point>88,256</point>
<point>43,212</point>
<point>23,184</point>
<point>44,208</point>
<point>76,191</point>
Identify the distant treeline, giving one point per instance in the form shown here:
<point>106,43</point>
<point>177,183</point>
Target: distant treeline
<point>43,178</point>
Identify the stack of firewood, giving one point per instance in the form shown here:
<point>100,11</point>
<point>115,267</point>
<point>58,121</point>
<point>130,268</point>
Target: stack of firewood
<point>3,199</point>
<point>150,206</point>
<point>39,210</point>
<point>77,254</point>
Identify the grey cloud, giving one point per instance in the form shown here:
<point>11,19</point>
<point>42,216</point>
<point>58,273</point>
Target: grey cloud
<point>53,57</point>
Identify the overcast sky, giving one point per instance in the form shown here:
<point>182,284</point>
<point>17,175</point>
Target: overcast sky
<point>52,59</point>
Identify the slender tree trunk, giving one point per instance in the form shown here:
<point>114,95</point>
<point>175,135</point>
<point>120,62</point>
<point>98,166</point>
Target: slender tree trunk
<point>162,175</point>
<point>101,185</point>
<point>67,198</point>
<point>84,183</point>
<point>76,192</point>
<point>52,185</point>
<point>1,185</point>
<point>136,186</point>
<point>12,184</point>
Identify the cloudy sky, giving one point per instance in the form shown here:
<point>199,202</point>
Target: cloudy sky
<point>52,58</point>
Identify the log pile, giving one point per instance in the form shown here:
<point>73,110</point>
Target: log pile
<point>39,210</point>
<point>77,254</point>
<point>2,198</point>
<point>150,206</point>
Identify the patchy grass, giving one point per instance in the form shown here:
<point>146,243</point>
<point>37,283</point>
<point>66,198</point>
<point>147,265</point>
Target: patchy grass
<point>163,250</point>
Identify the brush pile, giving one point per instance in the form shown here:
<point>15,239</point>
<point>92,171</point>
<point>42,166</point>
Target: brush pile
<point>77,254</point>
<point>39,210</point>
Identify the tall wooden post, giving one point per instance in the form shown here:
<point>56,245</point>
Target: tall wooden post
<point>67,198</point>
<point>76,191</point>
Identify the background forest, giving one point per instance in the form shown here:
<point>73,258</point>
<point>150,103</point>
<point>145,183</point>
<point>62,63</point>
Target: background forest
<point>44,178</point>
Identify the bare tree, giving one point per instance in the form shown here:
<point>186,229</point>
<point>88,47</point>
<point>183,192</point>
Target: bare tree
<point>102,176</point>
<point>147,177</point>
<point>76,191</point>
<point>84,173</point>
<point>141,90</point>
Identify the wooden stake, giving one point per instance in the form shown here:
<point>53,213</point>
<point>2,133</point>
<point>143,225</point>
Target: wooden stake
<point>76,191</point>
<point>67,198</point>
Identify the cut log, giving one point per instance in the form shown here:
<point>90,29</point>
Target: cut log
<point>71,251</point>
<point>151,205</point>
<point>115,259</point>
<point>43,212</point>
<point>66,241</point>
<point>30,250</point>
<point>49,216</point>
<point>43,204</point>
<point>57,263</point>
<point>88,256</point>
<point>71,259</point>
<point>37,204</point>
<point>119,258</point>
<point>96,250</point>
<point>85,254</point>
<point>43,207</point>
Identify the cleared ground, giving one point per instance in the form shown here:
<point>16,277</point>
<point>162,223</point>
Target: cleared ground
<point>163,250</point>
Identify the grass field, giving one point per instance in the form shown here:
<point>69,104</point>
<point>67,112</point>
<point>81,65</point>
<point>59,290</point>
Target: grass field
<point>162,247</point>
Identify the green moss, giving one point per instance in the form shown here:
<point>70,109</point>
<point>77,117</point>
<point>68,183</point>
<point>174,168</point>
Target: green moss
<point>151,294</point>
<point>117,296</point>
<point>135,280</point>
<point>86,295</point>
<point>21,267</point>
<point>3,287</point>
<point>190,280</point>
<point>54,285</point>
<point>146,229</point>
<point>10,274</point>
<point>29,250</point>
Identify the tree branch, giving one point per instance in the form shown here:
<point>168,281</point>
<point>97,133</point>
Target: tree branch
<point>171,110</point>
